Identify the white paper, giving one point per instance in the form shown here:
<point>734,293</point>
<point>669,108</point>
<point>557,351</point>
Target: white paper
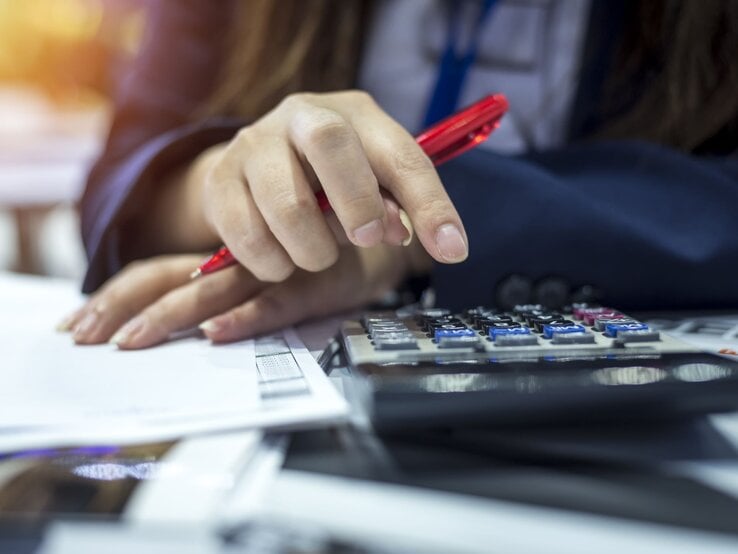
<point>47,381</point>
<point>54,393</point>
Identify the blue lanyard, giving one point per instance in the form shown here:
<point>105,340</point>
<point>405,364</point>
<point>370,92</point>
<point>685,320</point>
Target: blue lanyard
<point>454,66</point>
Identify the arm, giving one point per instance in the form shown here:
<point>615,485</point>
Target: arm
<point>651,227</point>
<point>151,134</point>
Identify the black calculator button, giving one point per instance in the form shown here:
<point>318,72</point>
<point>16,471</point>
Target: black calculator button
<point>539,323</point>
<point>486,326</point>
<point>430,324</point>
<point>600,322</point>
<point>532,318</point>
<point>449,327</point>
<point>481,321</point>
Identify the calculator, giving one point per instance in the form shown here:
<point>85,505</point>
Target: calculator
<point>528,366</point>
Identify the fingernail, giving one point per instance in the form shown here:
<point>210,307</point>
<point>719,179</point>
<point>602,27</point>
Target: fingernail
<point>368,234</point>
<point>66,324</point>
<point>86,325</point>
<point>405,220</point>
<point>129,331</point>
<point>210,326</point>
<point>451,243</point>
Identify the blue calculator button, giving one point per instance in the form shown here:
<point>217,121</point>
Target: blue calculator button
<point>612,329</point>
<point>495,332</point>
<point>550,330</point>
<point>448,333</point>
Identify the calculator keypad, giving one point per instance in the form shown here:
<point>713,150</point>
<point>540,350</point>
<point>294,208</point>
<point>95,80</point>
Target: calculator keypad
<point>480,328</point>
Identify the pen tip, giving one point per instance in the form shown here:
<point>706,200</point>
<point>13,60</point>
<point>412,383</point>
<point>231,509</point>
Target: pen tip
<point>195,274</point>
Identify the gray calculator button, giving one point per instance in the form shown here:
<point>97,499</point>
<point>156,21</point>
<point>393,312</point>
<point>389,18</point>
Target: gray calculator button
<point>516,340</point>
<point>399,334</point>
<point>648,335</point>
<point>599,323</point>
<point>458,342</point>
<point>387,326</point>
<point>573,338</point>
<point>368,319</point>
<point>395,341</point>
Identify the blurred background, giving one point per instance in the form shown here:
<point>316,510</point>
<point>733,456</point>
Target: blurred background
<point>59,60</point>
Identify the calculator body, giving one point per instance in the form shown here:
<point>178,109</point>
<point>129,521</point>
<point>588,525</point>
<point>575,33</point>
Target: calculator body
<point>528,366</point>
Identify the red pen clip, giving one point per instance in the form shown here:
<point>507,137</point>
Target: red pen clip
<point>442,142</point>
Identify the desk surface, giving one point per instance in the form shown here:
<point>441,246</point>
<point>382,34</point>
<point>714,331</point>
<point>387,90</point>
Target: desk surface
<point>680,478</point>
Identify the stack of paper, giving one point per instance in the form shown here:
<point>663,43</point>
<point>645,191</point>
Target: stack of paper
<point>53,393</point>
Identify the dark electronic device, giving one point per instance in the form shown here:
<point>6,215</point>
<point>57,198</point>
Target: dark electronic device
<point>528,366</point>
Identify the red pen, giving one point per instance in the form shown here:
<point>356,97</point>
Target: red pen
<point>443,141</point>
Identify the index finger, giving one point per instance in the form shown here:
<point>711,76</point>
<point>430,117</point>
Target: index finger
<point>404,170</point>
<point>333,149</point>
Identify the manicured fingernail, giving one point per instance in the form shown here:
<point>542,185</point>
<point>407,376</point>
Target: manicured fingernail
<point>66,324</point>
<point>86,326</point>
<point>368,234</point>
<point>451,243</point>
<point>124,335</point>
<point>405,220</point>
<point>210,326</point>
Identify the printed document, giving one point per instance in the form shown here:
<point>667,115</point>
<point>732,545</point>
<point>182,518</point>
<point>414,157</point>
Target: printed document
<point>53,393</point>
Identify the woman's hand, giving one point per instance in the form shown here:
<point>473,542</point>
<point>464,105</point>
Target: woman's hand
<point>259,197</point>
<point>256,194</point>
<point>149,300</point>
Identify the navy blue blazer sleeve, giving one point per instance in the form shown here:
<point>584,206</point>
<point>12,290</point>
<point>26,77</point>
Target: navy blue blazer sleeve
<point>650,227</point>
<point>152,130</point>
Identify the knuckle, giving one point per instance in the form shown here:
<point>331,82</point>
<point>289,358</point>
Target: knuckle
<point>244,137</point>
<point>276,271</point>
<point>255,241</point>
<point>263,256</point>
<point>364,204</point>
<point>135,266</point>
<point>362,95</point>
<point>246,140</point>
<point>295,100</point>
<point>321,259</point>
<point>270,304</point>
<point>434,211</point>
<point>217,178</point>
<point>207,290</point>
<point>358,96</point>
<point>327,129</point>
<point>290,211</point>
<point>410,160</point>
